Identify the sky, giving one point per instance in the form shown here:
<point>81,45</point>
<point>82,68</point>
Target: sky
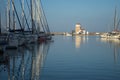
<point>93,15</point>
<point>62,15</point>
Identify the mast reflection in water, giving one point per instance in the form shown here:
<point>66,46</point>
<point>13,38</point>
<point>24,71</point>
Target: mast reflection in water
<point>114,44</point>
<point>69,58</point>
<point>25,63</point>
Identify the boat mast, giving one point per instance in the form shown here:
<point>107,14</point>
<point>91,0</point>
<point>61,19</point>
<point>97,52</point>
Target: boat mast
<point>13,15</point>
<point>32,16</point>
<point>116,21</point>
<point>17,15</point>
<point>0,23</point>
<point>23,14</point>
<point>45,20</point>
<point>40,25</point>
<point>8,15</point>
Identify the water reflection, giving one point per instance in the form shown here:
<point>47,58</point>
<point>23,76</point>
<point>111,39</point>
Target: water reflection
<point>79,40</point>
<point>114,45</point>
<point>25,63</point>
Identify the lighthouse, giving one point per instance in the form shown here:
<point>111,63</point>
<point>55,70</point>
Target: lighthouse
<point>77,28</point>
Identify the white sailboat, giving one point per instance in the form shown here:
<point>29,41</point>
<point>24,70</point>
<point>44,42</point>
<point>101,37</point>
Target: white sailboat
<point>111,35</point>
<point>115,34</point>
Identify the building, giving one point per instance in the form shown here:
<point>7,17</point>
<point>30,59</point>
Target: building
<point>79,29</point>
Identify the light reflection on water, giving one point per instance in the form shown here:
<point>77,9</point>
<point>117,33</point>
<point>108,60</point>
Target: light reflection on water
<point>25,63</point>
<point>69,58</point>
<point>79,40</point>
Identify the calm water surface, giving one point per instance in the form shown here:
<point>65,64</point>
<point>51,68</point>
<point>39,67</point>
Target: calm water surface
<point>67,58</point>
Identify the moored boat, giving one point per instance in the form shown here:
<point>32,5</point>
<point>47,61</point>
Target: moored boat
<point>115,33</point>
<point>111,35</point>
<point>12,42</point>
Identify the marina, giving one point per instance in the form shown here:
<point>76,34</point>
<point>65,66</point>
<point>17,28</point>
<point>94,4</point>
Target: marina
<point>76,47</point>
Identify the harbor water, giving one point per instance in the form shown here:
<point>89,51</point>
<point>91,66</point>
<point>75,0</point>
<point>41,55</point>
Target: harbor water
<point>66,58</point>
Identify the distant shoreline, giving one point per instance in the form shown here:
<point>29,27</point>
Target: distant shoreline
<point>90,33</point>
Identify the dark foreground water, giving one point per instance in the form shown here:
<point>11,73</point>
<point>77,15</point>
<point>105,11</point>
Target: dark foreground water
<point>67,58</point>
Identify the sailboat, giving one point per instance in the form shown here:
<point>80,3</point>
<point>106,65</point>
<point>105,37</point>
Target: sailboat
<point>11,38</point>
<point>30,36</point>
<point>43,28</point>
<point>115,34</point>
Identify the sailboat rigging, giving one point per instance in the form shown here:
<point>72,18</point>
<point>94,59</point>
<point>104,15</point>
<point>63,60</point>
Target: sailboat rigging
<point>115,33</point>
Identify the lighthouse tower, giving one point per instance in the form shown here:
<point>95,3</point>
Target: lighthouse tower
<point>77,28</point>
